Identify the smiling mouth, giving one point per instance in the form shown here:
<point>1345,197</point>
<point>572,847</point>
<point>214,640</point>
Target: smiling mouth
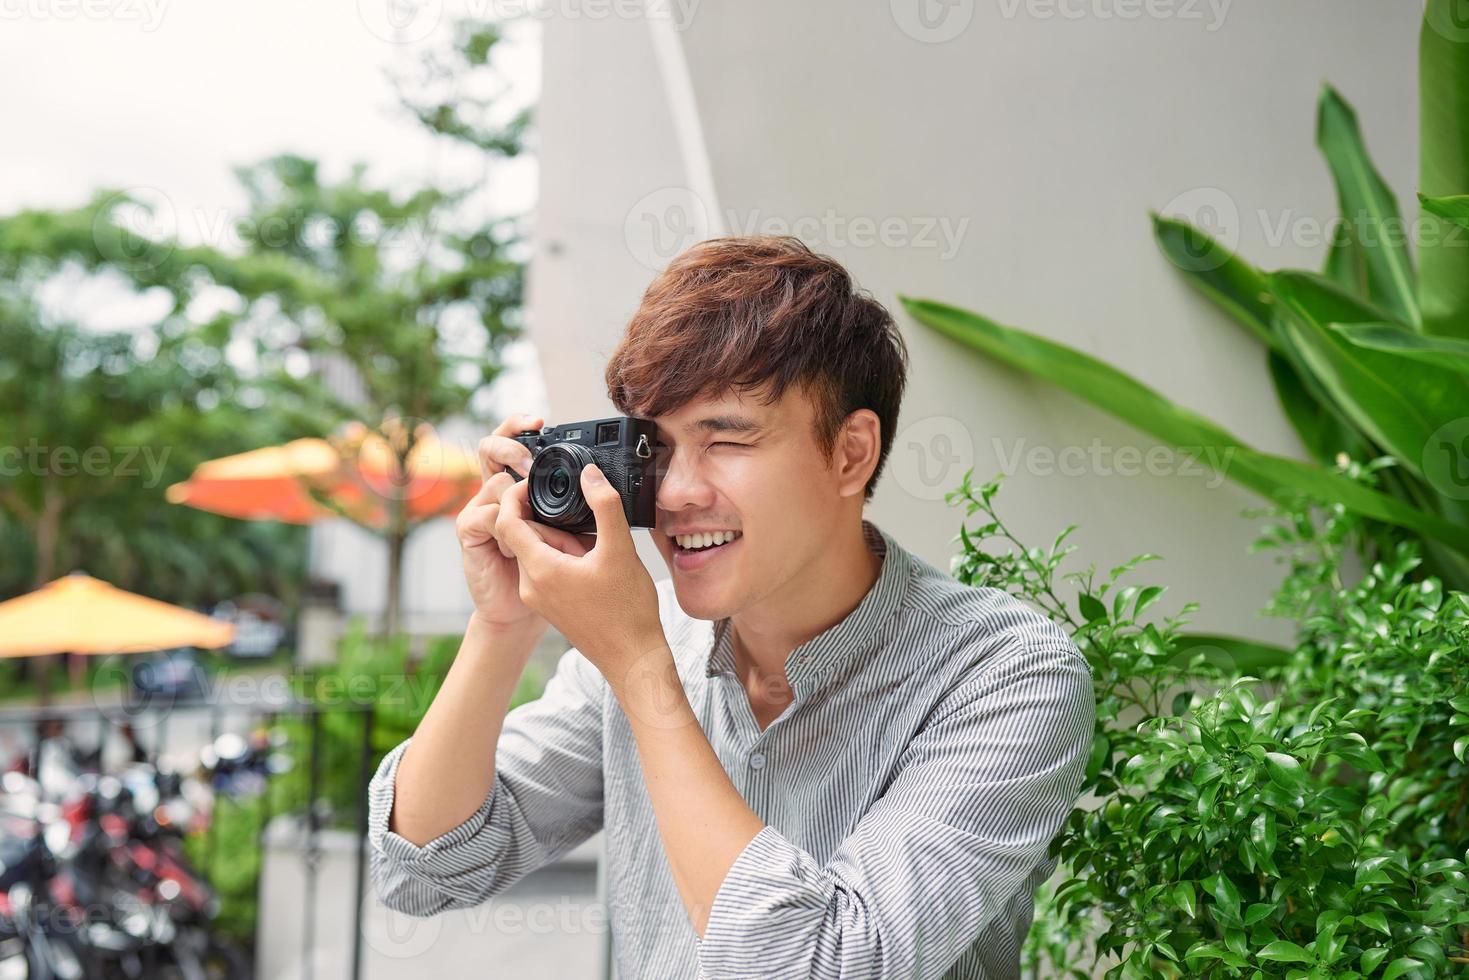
<point>707,541</point>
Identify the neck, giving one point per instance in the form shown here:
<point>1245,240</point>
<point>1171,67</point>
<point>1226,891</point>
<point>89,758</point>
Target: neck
<point>821,594</point>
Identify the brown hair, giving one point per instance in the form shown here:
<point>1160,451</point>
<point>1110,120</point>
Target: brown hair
<point>762,312</point>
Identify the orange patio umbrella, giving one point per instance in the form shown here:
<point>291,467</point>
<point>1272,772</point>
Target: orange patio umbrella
<point>354,475</point>
<point>81,614</point>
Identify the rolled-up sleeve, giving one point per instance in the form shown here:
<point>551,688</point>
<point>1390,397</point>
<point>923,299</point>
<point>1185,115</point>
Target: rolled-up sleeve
<point>981,790</point>
<point>546,799</point>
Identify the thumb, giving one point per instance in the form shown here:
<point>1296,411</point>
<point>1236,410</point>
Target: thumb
<point>606,505</point>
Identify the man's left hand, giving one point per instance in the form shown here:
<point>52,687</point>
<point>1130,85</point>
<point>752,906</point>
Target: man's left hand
<point>603,601</point>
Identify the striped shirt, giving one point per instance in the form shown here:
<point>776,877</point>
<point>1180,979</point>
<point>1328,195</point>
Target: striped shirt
<point>936,743</point>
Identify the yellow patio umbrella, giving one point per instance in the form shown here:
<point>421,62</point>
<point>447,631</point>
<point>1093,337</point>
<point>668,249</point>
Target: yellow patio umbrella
<point>84,615</point>
<point>356,474</point>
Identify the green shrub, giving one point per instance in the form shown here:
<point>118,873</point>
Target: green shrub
<point>1307,822</point>
<point>371,674</point>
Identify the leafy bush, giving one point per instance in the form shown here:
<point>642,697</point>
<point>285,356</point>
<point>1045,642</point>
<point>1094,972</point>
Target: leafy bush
<point>374,674</point>
<point>1309,822</point>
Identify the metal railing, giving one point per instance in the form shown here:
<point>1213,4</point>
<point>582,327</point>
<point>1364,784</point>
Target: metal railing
<point>24,727</point>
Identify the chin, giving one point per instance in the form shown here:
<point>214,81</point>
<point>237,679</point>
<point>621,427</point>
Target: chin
<point>699,601</point>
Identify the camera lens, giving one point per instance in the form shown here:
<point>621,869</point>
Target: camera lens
<point>555,486</point>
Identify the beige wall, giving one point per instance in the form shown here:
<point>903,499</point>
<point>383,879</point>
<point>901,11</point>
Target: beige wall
<point>1036,134</point>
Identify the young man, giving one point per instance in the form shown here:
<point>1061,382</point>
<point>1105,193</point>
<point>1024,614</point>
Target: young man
<point>813,753</point>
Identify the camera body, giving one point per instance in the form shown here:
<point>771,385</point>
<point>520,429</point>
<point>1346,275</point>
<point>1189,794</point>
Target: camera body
<point>626,449</point>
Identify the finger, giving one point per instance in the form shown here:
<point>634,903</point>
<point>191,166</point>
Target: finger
<point>565,542</point>
<point>515,529</point>
<point>476,525</point>
<point>606,504</point>
<point>498,451</point>
<point>491,490</point>
<point>575,545</point>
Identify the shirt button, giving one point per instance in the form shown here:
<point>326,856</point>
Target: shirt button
<point>757,761</point>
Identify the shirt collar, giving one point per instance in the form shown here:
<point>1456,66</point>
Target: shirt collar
<point>855,636</point>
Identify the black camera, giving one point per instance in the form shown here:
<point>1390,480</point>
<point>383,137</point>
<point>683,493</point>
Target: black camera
<point>625,449</point>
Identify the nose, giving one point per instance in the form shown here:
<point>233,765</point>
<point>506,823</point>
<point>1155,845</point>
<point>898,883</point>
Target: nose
<point>682,486</point>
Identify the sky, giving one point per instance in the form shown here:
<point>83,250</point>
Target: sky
<point>162,98</point>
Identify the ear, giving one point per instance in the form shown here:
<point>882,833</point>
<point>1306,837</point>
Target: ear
<point>855,455</point>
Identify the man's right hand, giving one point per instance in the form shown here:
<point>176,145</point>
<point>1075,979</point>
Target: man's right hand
<point>490,568</point>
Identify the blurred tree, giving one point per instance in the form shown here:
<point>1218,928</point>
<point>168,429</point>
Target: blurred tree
<point>459,91</point>
<point>98,422</point>
<point>418,305</point>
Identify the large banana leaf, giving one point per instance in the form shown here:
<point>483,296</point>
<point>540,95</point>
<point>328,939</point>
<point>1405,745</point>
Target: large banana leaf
<point>1324,433</point>
<point>1246,656</point>
<point>1241,290</point>
<point>1443,165</point>
<point>1449,353</point>
<point>1397,401</point>
<point>1346,263</point>
<point>1455,208</point>
<point>1237,286</point>
<point>1139,405</point>
<point>1373,224</point>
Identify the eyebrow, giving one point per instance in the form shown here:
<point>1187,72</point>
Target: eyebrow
<point>725,423</point>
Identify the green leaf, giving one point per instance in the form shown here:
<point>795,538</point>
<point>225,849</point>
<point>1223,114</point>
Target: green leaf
<point>1285,771</point>
<point>1402,965</point>
<point>1257,912</point>
<point>1184,899</point>
<point>1443,167</point>
<point>1091,607</point>
<point>1240,655</point>
<point>1285,951</point>
<point>1399,402</point>
<point>1446,352</point>
<point>1130,400</point>
<point>1146,598</point>
<point>1455,208</point>
<point>1376,920</point>
<point>1225,894</point>
<point>1231,282</point>
<point>1346,263</point>
<point>1369,208</point>
<point>1320,429</point>
<point>1372,958</point>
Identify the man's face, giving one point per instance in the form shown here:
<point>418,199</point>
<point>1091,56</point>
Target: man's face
<point>734,466</point>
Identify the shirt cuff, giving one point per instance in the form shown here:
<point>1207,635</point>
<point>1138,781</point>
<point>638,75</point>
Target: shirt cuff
<point>435,855</point>
<point>774,890</point>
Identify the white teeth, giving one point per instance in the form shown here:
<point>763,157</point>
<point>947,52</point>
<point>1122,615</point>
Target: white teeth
<point>705,539</point>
